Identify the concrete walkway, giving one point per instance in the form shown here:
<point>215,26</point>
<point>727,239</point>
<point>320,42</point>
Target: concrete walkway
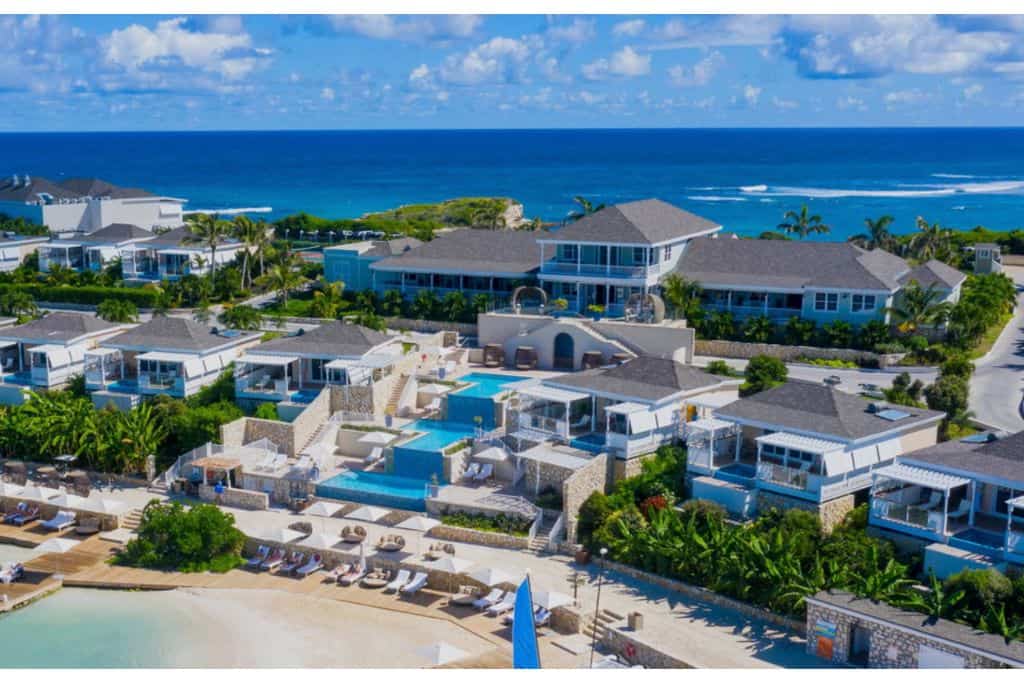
<point>851,378</point>
<point>996,385</point>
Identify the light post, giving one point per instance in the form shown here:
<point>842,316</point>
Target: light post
<point>597,607</point>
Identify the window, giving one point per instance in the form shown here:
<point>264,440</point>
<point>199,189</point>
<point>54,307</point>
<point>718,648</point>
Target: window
<point>863,302</point>
<point>826,301</point>
<point>667,252</point>
<point>317,368</point>
<point>639,256</point>
<point>569,252</point>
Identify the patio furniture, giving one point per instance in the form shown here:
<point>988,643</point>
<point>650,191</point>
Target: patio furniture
<point>339,571</point>
<point>47,474</point>
<point>471,471</point>
<point>492,598</point>
<point>486,472</point>
<point>16,472</point>
<point>293,563</point>
<point>494,356</point>
<point>274,561</point>
<point>465,597</point>
<point>314,565</point>
<point>434,406</point>
<point>414,586</point>
<point>12,572</point>
<point>962,510</point>
<point>88,527</point>
<point>31,514</point>
<point>258,559</point>
<point>933,501</point>
<point>61,521</point>
<point>584,421</point>
<point>375,456</point>
<point>526,358</point>
<point>591,360</point>
<point>391,544</point>
<point>378,578</point>
<point>353,575</point>
<point>353,535</point>
<point>19,509</point>
<point>507,603</point>
<point>79,483</point>
<point>400,580</point>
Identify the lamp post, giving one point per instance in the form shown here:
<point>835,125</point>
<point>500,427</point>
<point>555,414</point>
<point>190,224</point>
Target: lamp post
<point>597,607</point>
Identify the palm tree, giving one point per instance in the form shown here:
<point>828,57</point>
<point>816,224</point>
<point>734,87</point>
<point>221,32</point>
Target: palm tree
<point>392,302</point>
<point>996,621</point>
<point>931,241</point>
<point>241,317</point>
<point>802,223</point>
<point>919,307</point>
<point>283,276</point>
<point>759,329</point>
<point>142,433</point>
<point>937,601</point>
<point>877,235</point>
<point>117,311</point>
<point>251,234</point>
<point>681,294</point>
<point>327,302</point>
<point>209,230</point>
<point>586,208</point>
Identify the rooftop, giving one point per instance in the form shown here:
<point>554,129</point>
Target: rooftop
<point>469,250</point>
<point>934,273</point>
<point>790,264</point>
<point>164,333</point>
<point>645,378</point>
<point>333,339</point>
<point>1002,458</point>
<point>814,408</point>
<point>648,221</point>
<point>15,189</point>
<point>58,327</point>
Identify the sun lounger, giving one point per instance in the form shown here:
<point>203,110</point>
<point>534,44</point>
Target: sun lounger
<point>375,455</point>
<point>293,563</point>
<point>31,514</point>
<point>12,572</point>
<point>19,510</point>
<point>400,580</point>
<point>541,617</point>
<point>465,597</point>
<point>434,406</point>
<point>61,521</point>
<point>471,471</point>
<point>258,559</point>
<point>486,472</point>
<point>336,573</point>
<point>491,598</point>
<point>314,565</point>
<point>274,561</point>
<point>414,586</point>
<point>506,604</point>
<point>353,576</point>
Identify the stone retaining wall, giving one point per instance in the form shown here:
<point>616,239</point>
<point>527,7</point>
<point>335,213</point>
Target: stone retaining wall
<point>620,639</point>
<point>239,498</point>
<point>831,513</point>
<point>593,476</point>
<point>445,532</point>
<point>465,329</point>
<point>736,349</point>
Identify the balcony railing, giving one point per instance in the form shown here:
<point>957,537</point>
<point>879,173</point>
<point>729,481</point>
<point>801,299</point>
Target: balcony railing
<point>903,513</point>
<point>599,269</point>
<point>790,477</point>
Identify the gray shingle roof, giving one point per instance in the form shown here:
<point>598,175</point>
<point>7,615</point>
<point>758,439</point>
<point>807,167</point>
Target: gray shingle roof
<point>180,237</point>
<point>116,233</point>
<point>644,378</point>
<point>934,273</point>
<point>164,333</point>
<point>648,221</point>
<point>502,252</point>
<point>333,339</point>
<point>926,625</point>
<point>58,327</point>
<point>811,407</point>
<point>30,193</point>
<point>787,263</point>
<point>394,247</point>
<point>1003,458</point>
<point>95,187</point>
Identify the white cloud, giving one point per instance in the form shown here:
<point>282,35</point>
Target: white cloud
<point>411,29</point>
<point>850,102</point>
<point>783,104</point>
<point>421,78</point>
<point>499,60</point>
<point>698,74</point>
<point>902,98</point>
<point>626,63</point>
<point>629,29</point>
<point>578,31</point>
<point>327,94</point>
<point>751,94</point>
<point>715,31</point>
<point>972,91</point>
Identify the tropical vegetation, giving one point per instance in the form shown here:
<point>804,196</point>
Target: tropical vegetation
<point>187,539</point>
<point>802,223</point>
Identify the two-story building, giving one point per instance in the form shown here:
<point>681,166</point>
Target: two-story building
<point>351,262</point>
<point>46,353</point>
<point>963,499</point>
<point>173,254</point>
<point>92,251</point>
<point>15,248</point>
<point>172,356</point>
<point>801,444</point>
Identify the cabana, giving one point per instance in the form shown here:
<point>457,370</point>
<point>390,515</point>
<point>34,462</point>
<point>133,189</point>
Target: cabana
<point>213,470</point>
<point>632,428</point>
<point>526,358</point>
<point>554,411</point>
<point>494,355</point>
<point>807,465</point>
<point>922,498</point>
<point>265,376</point>
<point>54,364</point>
<point>712,444</point>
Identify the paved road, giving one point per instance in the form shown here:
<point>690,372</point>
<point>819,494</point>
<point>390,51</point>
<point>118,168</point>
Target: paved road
<point>996,386</point>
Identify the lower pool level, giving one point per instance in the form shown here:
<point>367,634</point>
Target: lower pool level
<point>375,488</point>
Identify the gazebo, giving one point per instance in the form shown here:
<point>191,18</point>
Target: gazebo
<point>214,470</point>
<point>712,443</point>
<point>555,411</point>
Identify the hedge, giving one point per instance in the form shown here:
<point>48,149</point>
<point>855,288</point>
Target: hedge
<point>89,295</point>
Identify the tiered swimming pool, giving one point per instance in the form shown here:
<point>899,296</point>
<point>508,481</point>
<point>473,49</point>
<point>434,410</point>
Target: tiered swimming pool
<point>376,488</point>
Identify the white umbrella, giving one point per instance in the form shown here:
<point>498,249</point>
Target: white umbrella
<point>40,493</point>
<point>433,389</point>
<point>322,508</point>
<point>418,523</point>
<point>321,541</point>
<point>441,653</point>
<point>493,577</point>
<point>452,565</point>
<point>551,599</point>
<point>106,506</point>
<point>57,546</point>
<point>377,438</point>
<point>367,513</point>
<point>68,500</point>
<point>492,454</point>
<point>280,535</point>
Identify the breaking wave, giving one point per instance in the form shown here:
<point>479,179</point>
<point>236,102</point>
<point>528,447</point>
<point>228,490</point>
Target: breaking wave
<point>937,190</point>
<point>715,198</point>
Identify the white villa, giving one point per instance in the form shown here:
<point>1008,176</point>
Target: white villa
<point>172,255</point>
<point>14,248</point>
<point>93,251</point>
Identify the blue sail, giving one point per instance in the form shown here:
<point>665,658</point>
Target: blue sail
<point>524,634</point>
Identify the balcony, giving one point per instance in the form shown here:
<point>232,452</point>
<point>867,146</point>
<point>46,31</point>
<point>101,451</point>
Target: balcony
<point>601,270</point>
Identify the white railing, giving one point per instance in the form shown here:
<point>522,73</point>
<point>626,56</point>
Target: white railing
<point>174,471</point>
<point>599,269</point>
<point>556,533</point>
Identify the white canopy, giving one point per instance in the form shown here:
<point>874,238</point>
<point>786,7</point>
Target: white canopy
<point>367,513</point>
<point>265,359</point>
<point>492,454</point>
<point>666,416</point>
<point>279,535</point>
<point>102,351</point>
<point>166,357</point>
<point>493,577</point>
<point>9,490</point>
<point>551,599</point>
<point>450,564</point>
<point>626,408</point>
<point>321,541</point>
<point>418,523</point>
<point>798,442</point>
<point>433,389</point>
<point>322,508</point>
<point>56,545</point>
<point>544,392</point>
<point>38,493</point>
<point>59,356</point>
<point>213,363</point>
<point>377,438</point>
<point>105,506</point>
<point>1016,503</point>
<point>920,477</point>
<point>710,424</point>
<point>441,653</point>
<point>68,500</point>
<point>641,421</point>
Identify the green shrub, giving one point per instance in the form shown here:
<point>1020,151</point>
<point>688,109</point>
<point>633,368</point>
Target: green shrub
<point>84,294</point>
<point>502,524</point>
<point>720,367</point>
<point>171,536</point>
<point>982,589</point>
<point>549,499</point>
<point>267,411</point>
<point>763,372</point>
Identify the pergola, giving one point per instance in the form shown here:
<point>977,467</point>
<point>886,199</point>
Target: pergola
<point>365,370</point>
<point>900,476</point>
<point>103,365</point>
<point>213,464</point>
<point>550,409</point>
<point>703,435</point>
<point>252,363</point>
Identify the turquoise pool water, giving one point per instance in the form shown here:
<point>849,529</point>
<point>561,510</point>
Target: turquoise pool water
<point>439,434</point>
<point>486,385</point>
<point>380,489</point>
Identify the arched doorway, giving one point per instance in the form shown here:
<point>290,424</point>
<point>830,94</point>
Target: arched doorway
<point>565,351</point>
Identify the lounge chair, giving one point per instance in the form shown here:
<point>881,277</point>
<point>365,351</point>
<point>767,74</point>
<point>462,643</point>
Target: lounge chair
<point>507,619</point>
<point>31,514</point>
<point>962,510</point>
<point>400,580</point>
<point>491,598</point>
<point>466,596</point>
<point>338,571</point>
<point>414,586</point>
<point>391,544</point>
<point>375,455</point>
<point>258,559</point>
<point>541,617</point>
<point>314,565</point>
<point>274,561</point>
<point>356,535</point>
<point>584,421</point>
<point>18,510</point>
<point>353,575</point>
<point>378,578</point>
<point>88,527</point>
<point>933,501</point>
<point>434,406</point>
<point>61,521</point>
<point>486,472</point>
<point>293,563</point>
<point>506,604</point>
<point>471,471</point>
<point>12,572</point>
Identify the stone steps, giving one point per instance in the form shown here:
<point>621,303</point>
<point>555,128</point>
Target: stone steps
<point>396,395</point>
<point>132,520</point>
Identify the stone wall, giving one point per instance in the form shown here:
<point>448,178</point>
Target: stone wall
<point>465,329</point>
<point>239,498</point>
<point>352,399</point>
<point>736,349</point>
<point>594,476</point>
<point>233,433</point>
<point>460,534</point>
<point>540,475</point>
<point>310,420</point>
<point>632,647</point>
<point>279,491</point>
<point>830,513</point>
<point>623,469</point>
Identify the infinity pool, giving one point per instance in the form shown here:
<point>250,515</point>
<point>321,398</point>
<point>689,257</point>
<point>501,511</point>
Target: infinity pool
<point>379,489</point>
<point>439,434</point>
<point>486,385</point>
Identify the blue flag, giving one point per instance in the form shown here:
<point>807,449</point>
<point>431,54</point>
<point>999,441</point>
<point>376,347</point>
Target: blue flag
<point>524,634</point>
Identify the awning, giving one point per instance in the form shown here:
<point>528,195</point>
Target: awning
<point>626,408</point>
<point>376,360</point>
<point>865,456</point>
<point>667,416</point>
<point>166,357</point>
<point>212,363</point>
<point>641,421</point>
<point>888,450</point>
<point>100,352</point>
<point>710,424</point>
<point>547,393</point>
<point>342,364</point>
<point>194,368</point>
<point>177,252</point>
<point>60,356</point>
<point>263,359</point>
<point>798,442</point>
<point>714,400</point>
<point>920,476</point>
<point>1016,503</point>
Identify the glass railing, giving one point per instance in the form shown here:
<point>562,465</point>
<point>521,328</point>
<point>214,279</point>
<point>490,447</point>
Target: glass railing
<point>791,477</point>
<point>598,269</point>
<point>913,515</point>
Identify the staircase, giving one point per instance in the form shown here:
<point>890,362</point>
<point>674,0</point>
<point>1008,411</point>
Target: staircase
<point>539,542</point>
<point>396,395</point>
<point>131,520</point>
<point>599,626</point>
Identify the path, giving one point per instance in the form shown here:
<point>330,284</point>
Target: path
<point>996,384</point>
<point>851,378</point>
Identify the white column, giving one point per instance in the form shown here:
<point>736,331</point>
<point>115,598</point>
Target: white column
<point>739,443</point>
<point>728,300</point>
<point>945,513</point>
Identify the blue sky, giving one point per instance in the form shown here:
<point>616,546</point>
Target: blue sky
<point>272,72</point>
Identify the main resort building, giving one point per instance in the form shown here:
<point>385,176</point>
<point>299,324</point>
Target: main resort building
<point>609,261</point>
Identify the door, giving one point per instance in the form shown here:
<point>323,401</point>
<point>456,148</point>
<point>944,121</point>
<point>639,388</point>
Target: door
<point>932,658</point>
<point>860,645</point>
<point>564,351</point>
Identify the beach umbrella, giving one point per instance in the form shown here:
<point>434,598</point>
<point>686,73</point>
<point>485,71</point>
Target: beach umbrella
<point>492,454</point>
<point>377,438</point>
<point>418,523</point>
<point>551,599</point>
<point>40,493</point>
<point>57,546</point>
<point>452,565</point>
<point>493,577</point>
<point>106,506</point>
<point>441,653</point>
<point>322,508</point>
<point>120,535</point>
<point>279,535</point>
<point>367,513</point>
<point>67,500</point>
<point>321,541</point>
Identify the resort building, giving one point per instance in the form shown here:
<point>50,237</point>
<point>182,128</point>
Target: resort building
<point>294,368</point>
<point>46,353</point>
<point>351,262</point>
<point>14,248</point>
<point>963,499</point>
<point>800,444</point>
<point>173,254</point>
<point>92,251</point>
<point>172,356</point>
<point>85,205</point>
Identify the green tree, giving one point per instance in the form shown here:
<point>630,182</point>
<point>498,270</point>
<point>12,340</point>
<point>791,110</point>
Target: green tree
<point>931,241</point>
<point>918,307</point>
<point>871,334</point>
<point>759,329</point>
<point>117,311</point>
<point>481,303</point>
<point>837,334</point>
<point>763,372</point>
<point>586,207</point>
<point>267,411</point>
<point>327,300</point>
<point>877,235</point>
<point>425,305</point>
<point>718,325</point>
<point>141,433</point>
<point>241,317</point>
<point>171,536</point>
<point>937,602</point>
<point>682,296</point>
<point>253,234</point>
<point>18,303</point>
<point>368,319</point>
<point>454,305</point>
<point>283,276</point>
<point>802,223</point>
<point>210,231</point>
<point>799,332</point>
<point>392,303</point>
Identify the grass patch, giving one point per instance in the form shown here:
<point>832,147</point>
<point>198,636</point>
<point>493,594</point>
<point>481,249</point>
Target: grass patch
<point>988,339</point>
<point>499,524</point>
<point>829,363</point>
<point>457,446</point>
